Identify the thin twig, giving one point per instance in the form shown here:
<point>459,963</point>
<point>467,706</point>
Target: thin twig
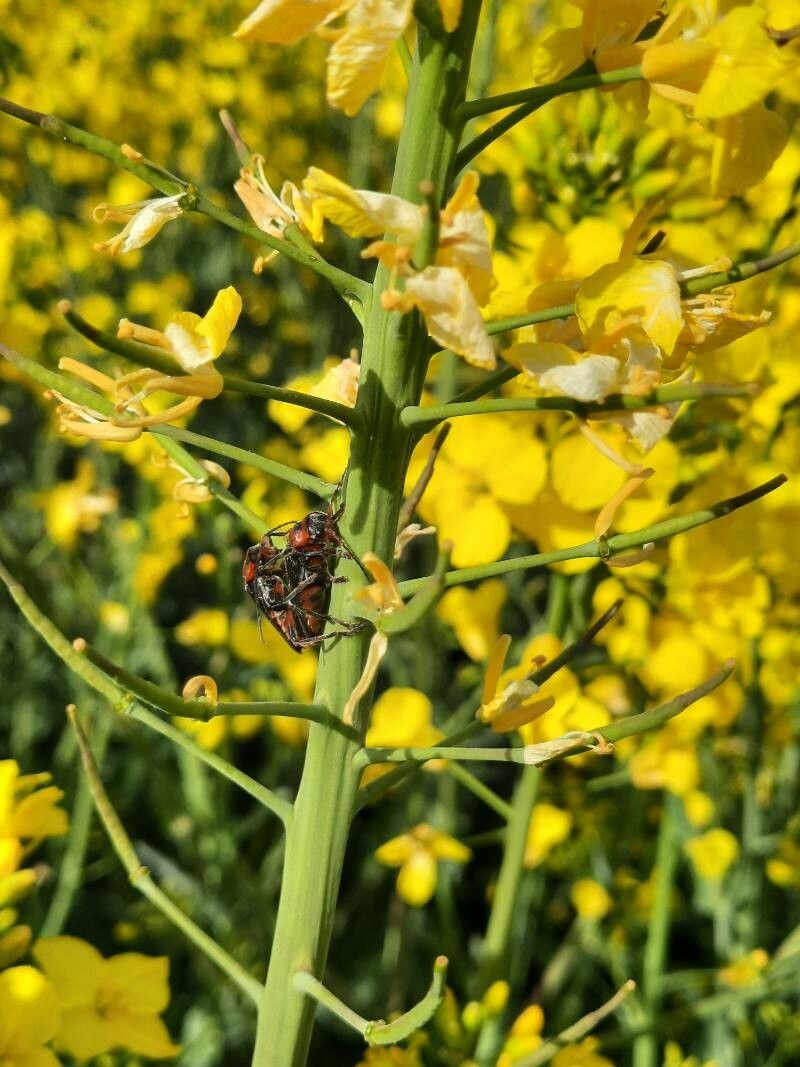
<point>411,502</point>
<point>141,879</point>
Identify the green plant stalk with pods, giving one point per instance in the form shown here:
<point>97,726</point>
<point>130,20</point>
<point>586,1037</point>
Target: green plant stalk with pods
<point>384,426</point>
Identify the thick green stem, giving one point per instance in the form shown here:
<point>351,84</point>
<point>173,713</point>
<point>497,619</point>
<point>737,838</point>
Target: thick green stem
<point>392,370</point>
<point>645,1049</point>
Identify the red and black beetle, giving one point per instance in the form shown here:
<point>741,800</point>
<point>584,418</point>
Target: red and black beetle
<point>291,586</point>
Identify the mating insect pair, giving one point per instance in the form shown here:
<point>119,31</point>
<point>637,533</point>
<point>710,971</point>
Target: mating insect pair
<point>291,586</point>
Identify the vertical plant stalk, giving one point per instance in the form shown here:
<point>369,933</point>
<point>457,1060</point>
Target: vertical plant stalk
<point>645,1048</point>
<point>393,364</point>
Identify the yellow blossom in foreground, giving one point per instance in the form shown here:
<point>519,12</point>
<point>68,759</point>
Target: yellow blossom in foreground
<point>590,899</point>
<point>720,67</point>
<point>29,1018</point>
<point>26,810</point>
<point>417,854</point>
<point>107,1003</point>
<point>712,853</point>
<point>606,25</point>
<point>549,826</point>
<point>447,291</point>
<point>144,220</point>
<point>194,343</point>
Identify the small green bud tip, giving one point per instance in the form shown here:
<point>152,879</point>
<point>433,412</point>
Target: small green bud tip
<point>63,307</point>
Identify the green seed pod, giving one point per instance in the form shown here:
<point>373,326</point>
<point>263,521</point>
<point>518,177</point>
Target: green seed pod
<point>656,183</point>
<point>695,207</point>
<point>651,148</point>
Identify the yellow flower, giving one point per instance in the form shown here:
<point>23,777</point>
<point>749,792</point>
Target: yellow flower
<point>14,883</point>
<point>746,970</point>
<point>712,853</point>
<point>507,707</point>
<point>468,499</point>
<point>474,615</point>
<point>207,626</point>
<point>549,826</point>
<point>71,507</point>
<point>582,1055</point>
<point>144,220</point>
<point>524,1037</point>
<point>194,342</point>
<point>273,213</point>
<point>401,718</point>
<point>590,899</point>
<point>417,854</point>
<point>26,810</point>
<point>448,291</point>
<point>673,1057</point>
<point>607,26</point>
<point>29,1018</point>
<point>361,48</point>
<point>107,1003</point>
<point>699,808</point>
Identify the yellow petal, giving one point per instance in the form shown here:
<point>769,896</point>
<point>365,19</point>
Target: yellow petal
<point>747,64</point>
<point>84,1033</point>
<point>712,853</point>
<point>140,983</point>
<point>580,476</point>
<point>402,716</point>
<point>745,147</point>
<point>73,966</point>
<point>451,314</point>
<point>611,23</point>
<point>416,882</point>
<point>557,52</point>
<point>445,847</point>
<point>360,212</point>
<point>479,530</point>
<point>549,826</point>
<point>646,289</point>
<point>144,1034</point>
<point>219,321</point>
<point>681,66</point>
<point>451,13</point>
<point>494,668</point>
<point>358,57</point>
<point>396,852</point>
<point>29,1013</point>
<point>286,21</point>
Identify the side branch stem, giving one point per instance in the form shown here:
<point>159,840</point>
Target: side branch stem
<point>604,549</point>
